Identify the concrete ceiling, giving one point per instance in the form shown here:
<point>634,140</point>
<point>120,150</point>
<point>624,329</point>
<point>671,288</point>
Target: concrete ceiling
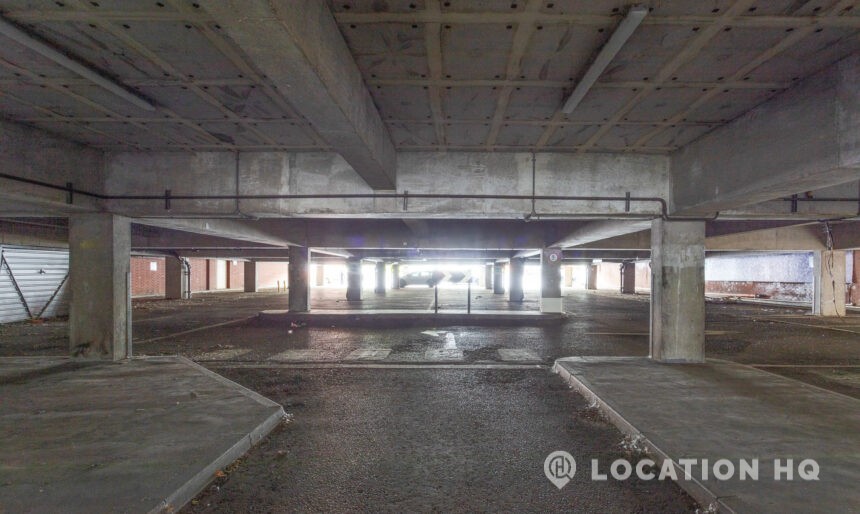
<point>458,75</point>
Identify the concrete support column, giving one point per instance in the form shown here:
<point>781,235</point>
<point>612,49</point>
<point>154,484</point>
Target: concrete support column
<point>498,278</point>
<point>251,283</point>
<point>855,278</point>
<point>353,280</point>
<point>550,287</point>
<point>380,278</point>
<point>591,277</point>
<point>99,280</point>
<point>395,276</point>
<point>678,291</point>
<point>828,297</point>
<point>516,279</point>
<point>488,276</point>
<point>568,276</point>
<point>299,279</point>
<point>628,277</point>
<point>175,281</point>
<point>319,280</point>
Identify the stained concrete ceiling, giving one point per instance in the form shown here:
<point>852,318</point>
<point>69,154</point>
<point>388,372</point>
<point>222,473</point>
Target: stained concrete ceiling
<point>444,74</point>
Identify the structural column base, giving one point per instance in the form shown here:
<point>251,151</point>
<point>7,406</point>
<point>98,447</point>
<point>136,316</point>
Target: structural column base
<point>553,305</point>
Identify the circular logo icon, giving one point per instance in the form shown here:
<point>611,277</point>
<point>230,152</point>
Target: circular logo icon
<point>559,467</point>
<point>553,257</point>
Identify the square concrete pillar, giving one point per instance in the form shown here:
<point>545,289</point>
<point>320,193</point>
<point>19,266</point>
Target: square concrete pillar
<point>828,298</point>
<point>488,276</point>
<point>395,276</point>
<point>678,291</point>
<point>319,279</point>
<point>516,279</point>
<point>854,292</point>
<point>99,279</point>
<point>498,278</point>
<point>550,287</point>
<point>299,278</point>
<point>251,282</point>
<point>628,278</point>
<point>174,278</point>
<point>353,280</point>
<point>380,278</point>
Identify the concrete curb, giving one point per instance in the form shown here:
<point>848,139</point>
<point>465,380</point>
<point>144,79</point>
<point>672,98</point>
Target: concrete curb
<point>377,319</point>
<point>368,365</point>
<point>185,493</point>
<point>693,487</point>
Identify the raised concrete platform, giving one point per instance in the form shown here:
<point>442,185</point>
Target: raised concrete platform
<point>721,410</point>
<point>144,435</point>
<point>411,318</point>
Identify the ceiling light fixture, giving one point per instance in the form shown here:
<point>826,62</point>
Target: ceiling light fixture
<point>14,33</point>
<point>625,29</point>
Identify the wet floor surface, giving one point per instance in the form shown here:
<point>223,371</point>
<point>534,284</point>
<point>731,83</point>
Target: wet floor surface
<point>427,440</point>
<point>599,324</point>
<point>465,427</point>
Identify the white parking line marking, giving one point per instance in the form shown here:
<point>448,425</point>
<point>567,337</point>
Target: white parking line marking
<point>222,355</point>
<point>517,354</point>
<point>369,354</point>
<point>304,355</point>
<point>444,354</point>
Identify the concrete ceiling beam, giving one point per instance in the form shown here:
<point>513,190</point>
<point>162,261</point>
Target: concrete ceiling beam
<point>633,241</point>
<point>145,237</point>
<point>600,230</point>
<point>846,236</point>
<point>805,138</point>
<point>299,48</point>
<point>797,238</point>
<point>234,229</point>
<point>333,252</point>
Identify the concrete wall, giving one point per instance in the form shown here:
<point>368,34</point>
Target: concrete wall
<point>418,172</point>
<point>35,154</point>
<point>780,276</point>
<point>33,234</point>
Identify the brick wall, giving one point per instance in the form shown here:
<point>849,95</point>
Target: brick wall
<point>236,274</point>
<point>144,281</point>
<point>198,274</point>
<point>211,274</point>
<point>269,273</point>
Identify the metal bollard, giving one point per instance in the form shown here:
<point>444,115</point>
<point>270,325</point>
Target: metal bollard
<point>436,299</point>
<point>469,298</point>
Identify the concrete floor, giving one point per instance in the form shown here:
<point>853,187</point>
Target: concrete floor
<point>730,411</point>
<point>426,440</point>
<point>451,297</point>
<point>139,436</point>
<point>345,385</point>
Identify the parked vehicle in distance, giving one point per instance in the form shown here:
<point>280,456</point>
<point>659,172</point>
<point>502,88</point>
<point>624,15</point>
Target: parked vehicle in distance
<point>431,278</point>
